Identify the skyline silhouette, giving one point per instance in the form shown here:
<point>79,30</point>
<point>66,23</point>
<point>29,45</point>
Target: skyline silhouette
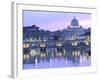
<point>54,20</point>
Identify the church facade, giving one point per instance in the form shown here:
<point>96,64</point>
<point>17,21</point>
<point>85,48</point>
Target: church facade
<point>73,31</point>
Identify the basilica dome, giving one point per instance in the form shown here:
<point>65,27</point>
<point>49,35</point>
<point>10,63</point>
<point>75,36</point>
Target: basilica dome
<point>74,22</point>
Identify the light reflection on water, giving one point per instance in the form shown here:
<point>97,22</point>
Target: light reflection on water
<point>73,60</point>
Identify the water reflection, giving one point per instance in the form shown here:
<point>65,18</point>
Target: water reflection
<point>56,57</point>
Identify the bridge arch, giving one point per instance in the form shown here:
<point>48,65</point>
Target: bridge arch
<point>67,45</point>
<point>81,44</point>
<point>82,47</point>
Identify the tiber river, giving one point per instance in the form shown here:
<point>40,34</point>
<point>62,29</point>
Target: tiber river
<point>71,59</point>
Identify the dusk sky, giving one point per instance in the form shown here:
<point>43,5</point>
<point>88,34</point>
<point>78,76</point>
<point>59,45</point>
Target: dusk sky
<point>54,20</point>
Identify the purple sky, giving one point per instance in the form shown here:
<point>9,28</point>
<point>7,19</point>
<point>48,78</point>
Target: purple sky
<point>54,20</point>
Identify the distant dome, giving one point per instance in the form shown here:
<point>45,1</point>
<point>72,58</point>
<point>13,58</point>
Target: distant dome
<point>74,22</point>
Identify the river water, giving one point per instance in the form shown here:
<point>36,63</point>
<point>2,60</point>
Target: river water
<point>69,61</point>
